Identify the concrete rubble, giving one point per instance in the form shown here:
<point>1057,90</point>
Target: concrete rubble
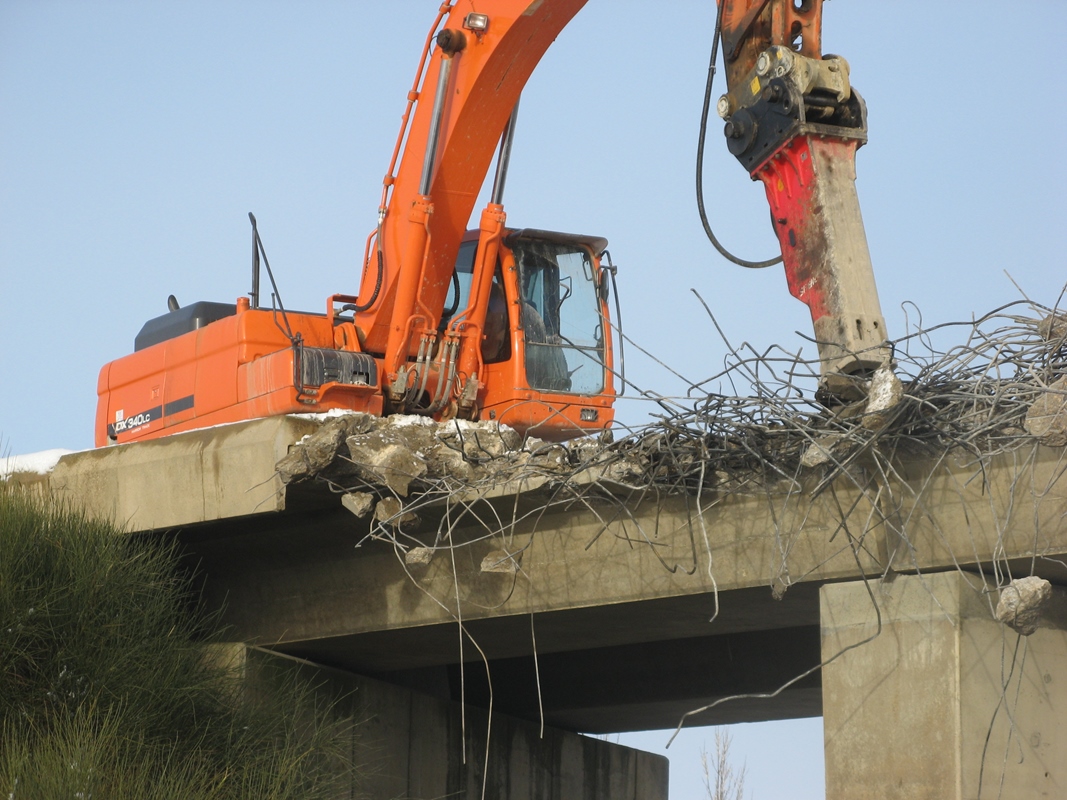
<point>1004,390</point>
<point>402,457</point>
<point>393,458</point>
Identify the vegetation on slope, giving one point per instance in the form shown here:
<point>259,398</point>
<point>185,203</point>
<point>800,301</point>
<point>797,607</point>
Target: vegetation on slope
<point>105,690</point>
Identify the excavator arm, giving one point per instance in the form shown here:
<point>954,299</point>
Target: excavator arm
<point>795,123</point>
<point>792,120</point>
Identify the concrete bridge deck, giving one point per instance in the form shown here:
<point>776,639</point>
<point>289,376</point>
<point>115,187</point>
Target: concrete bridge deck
<point>609,581</point>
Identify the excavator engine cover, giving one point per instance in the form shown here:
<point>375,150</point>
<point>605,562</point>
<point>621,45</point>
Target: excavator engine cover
<point>190,318</point>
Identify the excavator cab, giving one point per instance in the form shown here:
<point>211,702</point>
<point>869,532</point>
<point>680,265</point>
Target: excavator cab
<point>546,359</point>
<point>561,313</point>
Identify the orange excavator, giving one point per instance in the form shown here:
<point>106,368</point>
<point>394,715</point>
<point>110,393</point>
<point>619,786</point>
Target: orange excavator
<point>502,323</point>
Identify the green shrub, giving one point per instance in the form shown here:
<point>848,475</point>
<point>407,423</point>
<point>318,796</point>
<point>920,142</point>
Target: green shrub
<point>105,690</point>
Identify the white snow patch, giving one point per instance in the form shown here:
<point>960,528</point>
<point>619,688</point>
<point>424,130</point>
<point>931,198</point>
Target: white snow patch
<point>465,425</point>
<point>408,420</point>
<point>40,463</point>
<point>324,415</point>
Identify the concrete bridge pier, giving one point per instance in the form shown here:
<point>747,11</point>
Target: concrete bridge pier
<point>943,701</point>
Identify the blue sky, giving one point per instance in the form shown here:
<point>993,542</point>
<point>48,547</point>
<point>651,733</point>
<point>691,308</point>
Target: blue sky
<point>136,136</point>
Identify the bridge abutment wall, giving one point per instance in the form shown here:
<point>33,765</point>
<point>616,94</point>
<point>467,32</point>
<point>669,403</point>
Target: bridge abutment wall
<point>405,744</point>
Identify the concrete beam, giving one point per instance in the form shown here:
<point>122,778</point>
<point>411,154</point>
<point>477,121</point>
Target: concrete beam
<point>301,578</point>
<point>605,669</point>
<point>652,685</point>
<point>599,569</point>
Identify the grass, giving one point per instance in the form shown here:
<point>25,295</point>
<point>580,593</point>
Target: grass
<point>105,690</point>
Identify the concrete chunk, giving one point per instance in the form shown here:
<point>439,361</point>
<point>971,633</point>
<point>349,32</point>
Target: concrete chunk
<point>481,441</point>
<point>384,458</point>
<point>1029,603</point>
<point>821,451</point>
<point>359,503</point>
<point>317,451</point>
<point>389,511</point>
<point>885,393</point>
<point>418,556</point>
<point>1047,417</point>
<point>500,561</point>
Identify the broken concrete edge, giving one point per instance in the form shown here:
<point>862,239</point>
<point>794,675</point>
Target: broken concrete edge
<point>404,455</point>
<point>463,462</point>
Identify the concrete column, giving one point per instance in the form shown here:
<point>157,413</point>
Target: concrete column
<point>943,701</point>
<point>406,744</point>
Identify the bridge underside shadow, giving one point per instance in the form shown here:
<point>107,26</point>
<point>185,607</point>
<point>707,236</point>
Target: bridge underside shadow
<point>597,669</point>
<point>641,686</point>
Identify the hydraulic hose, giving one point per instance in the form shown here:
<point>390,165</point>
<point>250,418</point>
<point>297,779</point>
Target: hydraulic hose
<point>700,159</point>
